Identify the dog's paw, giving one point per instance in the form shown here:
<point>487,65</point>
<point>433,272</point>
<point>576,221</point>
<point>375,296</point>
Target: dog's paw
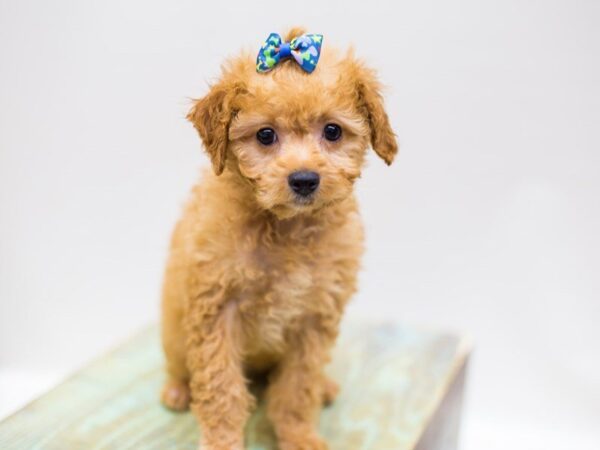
<point>210,446</point>
<point>176,395</point>
<point>330,391</point>
<point>307,442</point>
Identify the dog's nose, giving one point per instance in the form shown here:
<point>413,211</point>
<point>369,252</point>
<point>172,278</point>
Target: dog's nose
<point>304,182</point>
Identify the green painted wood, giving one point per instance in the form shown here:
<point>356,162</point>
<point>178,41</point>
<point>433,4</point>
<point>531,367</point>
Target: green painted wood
<point>393,382</point>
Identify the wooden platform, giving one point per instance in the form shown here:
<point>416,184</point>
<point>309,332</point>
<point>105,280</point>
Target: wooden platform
<point>400,389</point>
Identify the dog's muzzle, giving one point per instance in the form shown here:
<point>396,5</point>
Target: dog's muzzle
<point>304,182</point>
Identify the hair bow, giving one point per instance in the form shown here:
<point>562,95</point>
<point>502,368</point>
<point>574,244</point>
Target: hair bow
<point>305,50</point>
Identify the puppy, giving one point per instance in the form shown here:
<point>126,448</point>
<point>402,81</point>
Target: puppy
<point>265,256</point>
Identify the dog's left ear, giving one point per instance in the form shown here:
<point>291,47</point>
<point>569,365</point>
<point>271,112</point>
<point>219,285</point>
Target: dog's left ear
<point>383,139</point>
<point>211,116</point>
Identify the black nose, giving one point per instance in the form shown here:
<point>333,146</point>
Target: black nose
<point>304,182</point>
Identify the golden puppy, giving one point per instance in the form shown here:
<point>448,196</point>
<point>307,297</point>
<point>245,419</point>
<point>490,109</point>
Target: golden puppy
<point>265,257</point>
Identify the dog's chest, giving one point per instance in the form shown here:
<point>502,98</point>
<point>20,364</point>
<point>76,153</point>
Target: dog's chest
<point>277,281</point>
<point>276,289</point>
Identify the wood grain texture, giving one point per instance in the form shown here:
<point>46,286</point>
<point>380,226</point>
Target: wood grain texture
<point>400,389</point>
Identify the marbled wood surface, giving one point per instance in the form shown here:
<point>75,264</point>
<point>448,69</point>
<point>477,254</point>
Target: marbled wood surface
<point>392,381</point>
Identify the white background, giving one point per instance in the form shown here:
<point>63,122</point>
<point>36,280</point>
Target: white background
<point>487,223</point>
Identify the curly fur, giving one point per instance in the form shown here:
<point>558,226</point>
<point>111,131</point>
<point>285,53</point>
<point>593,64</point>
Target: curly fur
<point>257,279</point>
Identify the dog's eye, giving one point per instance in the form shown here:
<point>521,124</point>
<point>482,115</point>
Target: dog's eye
<point>266,136</point>
<point>332,132</point>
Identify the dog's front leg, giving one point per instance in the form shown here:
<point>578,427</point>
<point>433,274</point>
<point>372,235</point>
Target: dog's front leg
<point>295,391</point>
<point>220,398</point>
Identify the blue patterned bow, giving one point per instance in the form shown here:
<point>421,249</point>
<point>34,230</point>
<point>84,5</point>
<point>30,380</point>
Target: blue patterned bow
<point>305,49</point>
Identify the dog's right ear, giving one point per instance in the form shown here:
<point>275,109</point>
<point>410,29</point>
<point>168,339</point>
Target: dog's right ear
<point>211,116</point>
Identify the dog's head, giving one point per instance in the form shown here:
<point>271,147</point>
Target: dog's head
<point>298,139</point>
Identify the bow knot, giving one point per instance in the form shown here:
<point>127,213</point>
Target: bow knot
<point>304,49</point>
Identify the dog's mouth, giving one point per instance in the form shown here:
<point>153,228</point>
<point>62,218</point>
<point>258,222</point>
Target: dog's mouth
<point>304,200</point>
<point>296,205</point>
